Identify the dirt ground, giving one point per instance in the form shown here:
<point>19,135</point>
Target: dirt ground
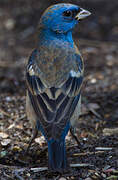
<point>97,38</point>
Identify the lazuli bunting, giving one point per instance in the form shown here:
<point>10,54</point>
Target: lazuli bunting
<point>54,78</point>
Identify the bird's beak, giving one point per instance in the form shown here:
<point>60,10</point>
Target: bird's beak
<point>82,14</point>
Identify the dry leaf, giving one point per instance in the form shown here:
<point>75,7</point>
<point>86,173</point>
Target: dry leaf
<point>40,140</point>
<point>109,132</point>
<point>3,135</point>
<point>5,142</point>
<point>16,149</point>
<point>20,126</point>
<point>11,126</point>
<point>93,106</point>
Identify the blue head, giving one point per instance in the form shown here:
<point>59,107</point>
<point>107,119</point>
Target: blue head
<point>61,18</point>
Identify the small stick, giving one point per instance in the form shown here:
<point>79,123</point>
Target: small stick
<point>87,153</point>
<point>17,171</point>
<point>5,113</point>
<point>112,177</point>
<point>103,148</point>
<point>39,169</point>
<point>71,165</point>
<point>81,165</point>
<point>9,177</point>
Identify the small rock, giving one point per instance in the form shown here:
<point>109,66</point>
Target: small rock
<point>93,106</point>
<point>9,24</point>
<point>28,174</point>
<point>16,149</point>
<point>93,80</point>
<point>3,153</point>
<point>103,175</point>
<point>109,57</point>
<point>62,178</point>
<point>40,140</point>
<point>88,178</point>
<point>5,142</point>
<point>8,99</point>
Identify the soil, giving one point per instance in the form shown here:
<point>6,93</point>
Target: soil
<point>96,158</point>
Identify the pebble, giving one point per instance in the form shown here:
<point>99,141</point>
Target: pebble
<point>5,142</point>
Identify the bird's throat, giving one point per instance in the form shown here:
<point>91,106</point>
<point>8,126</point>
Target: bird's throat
<point>46,36</point>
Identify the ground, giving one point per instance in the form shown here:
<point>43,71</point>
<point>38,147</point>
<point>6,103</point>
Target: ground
<point>97,156</point>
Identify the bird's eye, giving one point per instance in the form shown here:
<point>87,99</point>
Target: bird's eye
<point>67,13</point>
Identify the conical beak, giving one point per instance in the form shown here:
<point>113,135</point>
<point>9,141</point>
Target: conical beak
<point>82,14</point>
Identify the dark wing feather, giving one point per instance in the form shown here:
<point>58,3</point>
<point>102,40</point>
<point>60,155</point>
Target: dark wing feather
<point>73,84</point>
<point>54,112</point>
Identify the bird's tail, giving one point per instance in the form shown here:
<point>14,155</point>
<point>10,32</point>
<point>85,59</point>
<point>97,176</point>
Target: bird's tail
<point>57,155</point>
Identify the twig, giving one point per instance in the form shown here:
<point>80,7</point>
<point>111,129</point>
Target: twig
<point>5,113</point>
<point>15,119</point>
<point>22,117</point>
<point>95,113</point>
<point>81,165</point>
<point>72,146</point>
<point>103,148</point>
<point>110,131</point>
<point>112,177</point>
<point>88,153</point>
<point>17,171</point>
<point>40,169</point>
<point>57,177</point>
<point>11,116</point>
<point>6,175</point>
<point>6,166</point>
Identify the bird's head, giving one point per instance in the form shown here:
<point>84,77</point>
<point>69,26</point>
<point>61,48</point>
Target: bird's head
<point>62,17</point>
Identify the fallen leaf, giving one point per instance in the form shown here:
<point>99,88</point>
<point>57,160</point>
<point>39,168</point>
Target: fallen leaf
<point>40,140</point>
<point>20,126</point>
<point>5,142</point>
<point>93,106</point>
<point>11,126</point>
<point>110,131</point>
<point>3,135</point>
<point>16,149</point>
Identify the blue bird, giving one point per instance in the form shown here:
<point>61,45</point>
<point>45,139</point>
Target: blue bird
<point>54,78</point>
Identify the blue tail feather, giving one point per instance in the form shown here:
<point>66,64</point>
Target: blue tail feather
<point>57,155</point>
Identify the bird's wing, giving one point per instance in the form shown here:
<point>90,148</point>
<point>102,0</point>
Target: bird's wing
<point>54,106</point>
<point>73,84</point>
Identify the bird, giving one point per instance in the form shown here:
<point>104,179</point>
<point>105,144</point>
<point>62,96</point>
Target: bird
<point>54,77</point>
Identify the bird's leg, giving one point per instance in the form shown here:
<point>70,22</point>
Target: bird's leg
<point>35,133</point>
<point>72,131</point>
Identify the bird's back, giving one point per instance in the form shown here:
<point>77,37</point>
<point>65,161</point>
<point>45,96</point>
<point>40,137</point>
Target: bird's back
<point>55,62</point>
<point>52,65</point>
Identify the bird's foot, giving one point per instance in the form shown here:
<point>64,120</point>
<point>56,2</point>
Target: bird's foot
<point>35,133</point>
<point>72,131</point>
